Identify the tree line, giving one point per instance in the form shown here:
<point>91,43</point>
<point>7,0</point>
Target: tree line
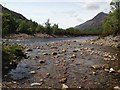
<point>111,25</point>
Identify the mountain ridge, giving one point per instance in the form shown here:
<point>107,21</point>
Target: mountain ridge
<point>95,22</point>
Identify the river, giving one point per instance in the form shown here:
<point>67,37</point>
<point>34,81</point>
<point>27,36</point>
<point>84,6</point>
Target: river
<point>39,40</point>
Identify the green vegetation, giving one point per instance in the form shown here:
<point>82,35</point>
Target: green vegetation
<point>111,25</point>
<point>10,56</point>
<point>14,23</point>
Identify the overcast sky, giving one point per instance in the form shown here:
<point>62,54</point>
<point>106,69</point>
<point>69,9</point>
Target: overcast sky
<point>66,13</point>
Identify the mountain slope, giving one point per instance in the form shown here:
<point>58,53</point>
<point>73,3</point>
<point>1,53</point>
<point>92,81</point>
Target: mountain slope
<point>14,14</point>
<point>93,23</point>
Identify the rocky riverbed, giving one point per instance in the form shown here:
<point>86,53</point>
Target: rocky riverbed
<point>67,64</point>
<point>112,41</point>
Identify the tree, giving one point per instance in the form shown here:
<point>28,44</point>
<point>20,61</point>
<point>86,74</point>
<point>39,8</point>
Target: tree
<point>40,29</point>
<point>115,4</point>
<point>9,24</point>
<point>111,24</point>
<point>23,27</point>
<point>48,29</point>
<point>55,28</point>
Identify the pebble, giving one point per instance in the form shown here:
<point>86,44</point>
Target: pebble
<point>47,74</point>
<point>28,50</point>
<point>96,66</point>
<point>116,88</point>
<point>54,53</point>
<point>64,86</point>
<point>41,61</point>
<point>75,50</point>
<point>111,70</point>
<point>35,84</point>
<point>63,50</point>
<point>73,56</point>
<point>45,53</point>
<point>32,72</point>
<point>63,80</point>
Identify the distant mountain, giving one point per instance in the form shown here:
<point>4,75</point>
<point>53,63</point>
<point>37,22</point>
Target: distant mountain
<point>14,14</point>
<point>93,23</point>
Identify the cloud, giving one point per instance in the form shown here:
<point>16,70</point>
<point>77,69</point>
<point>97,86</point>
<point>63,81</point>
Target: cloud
<point>80,20</point>
<point>92,6</point>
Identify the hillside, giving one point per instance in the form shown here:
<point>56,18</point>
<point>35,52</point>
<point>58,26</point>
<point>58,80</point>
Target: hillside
<point>93,23</point>
<point>14,14</point>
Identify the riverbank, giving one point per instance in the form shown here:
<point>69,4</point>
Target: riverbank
<point>22,36</point>
<point>106,41</point>
<point>68,63</point>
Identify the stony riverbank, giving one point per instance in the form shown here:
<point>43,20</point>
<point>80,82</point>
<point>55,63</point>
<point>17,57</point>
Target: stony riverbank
<point>107,41</point>
<point>67,64</point>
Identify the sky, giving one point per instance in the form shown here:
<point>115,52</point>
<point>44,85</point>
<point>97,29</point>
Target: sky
<point>65,13</point>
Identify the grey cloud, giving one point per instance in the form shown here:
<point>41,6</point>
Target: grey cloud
<point>92,6</point>
<point>79,20</point>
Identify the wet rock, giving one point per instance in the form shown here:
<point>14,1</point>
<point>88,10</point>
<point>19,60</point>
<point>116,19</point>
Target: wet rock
<point>63,80</point>
<point>41,61</point>
<point>54,53</point>
<point>116,88</point>
<point>32,72</point>
<point>36,84</point>
<point>64,86</point>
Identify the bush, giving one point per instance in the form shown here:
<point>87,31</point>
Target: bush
<point>10,55</point>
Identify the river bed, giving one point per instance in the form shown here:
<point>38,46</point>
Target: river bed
<point>57,61</point>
